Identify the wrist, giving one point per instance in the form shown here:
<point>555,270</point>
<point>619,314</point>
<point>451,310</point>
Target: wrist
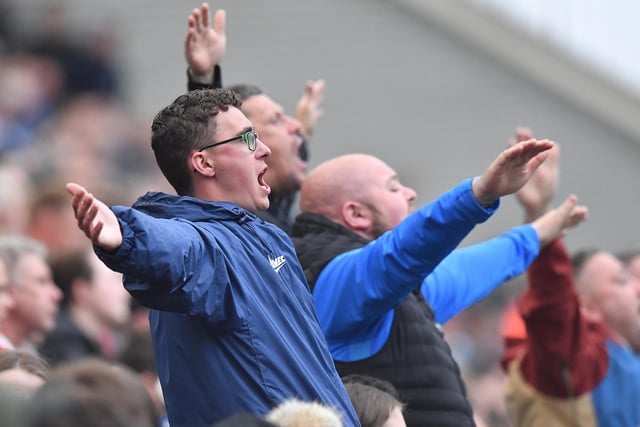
<point>205,78</point>
<point>483,198</point>
<point>531,215</point>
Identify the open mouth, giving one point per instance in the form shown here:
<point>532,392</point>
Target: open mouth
<point>262,182</point>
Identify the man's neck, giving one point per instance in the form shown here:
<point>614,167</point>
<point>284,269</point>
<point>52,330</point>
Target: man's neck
<point>14,332</point>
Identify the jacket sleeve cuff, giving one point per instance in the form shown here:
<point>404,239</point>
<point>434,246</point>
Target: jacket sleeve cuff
<point>470,203</point>
<point>121,255</point>
<point>215,84</point>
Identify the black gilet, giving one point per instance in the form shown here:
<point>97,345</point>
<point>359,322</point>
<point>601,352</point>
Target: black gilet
<point>415,358</point>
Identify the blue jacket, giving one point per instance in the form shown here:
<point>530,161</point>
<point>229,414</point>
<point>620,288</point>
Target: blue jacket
<point>233,323</point>
<point>357,291</point>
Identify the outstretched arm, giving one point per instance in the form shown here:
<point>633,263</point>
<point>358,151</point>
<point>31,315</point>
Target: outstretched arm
<point>468,275</point>
<point>204,44</point>
<point>308,110</point>
<point>511,170</point>
<point>554,223</point>
<point>95,219</point>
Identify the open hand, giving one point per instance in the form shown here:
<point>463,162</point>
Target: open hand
<point>308,110</point>
<point>511,170</point>
<point>204,46</point>
<point>95,218</point>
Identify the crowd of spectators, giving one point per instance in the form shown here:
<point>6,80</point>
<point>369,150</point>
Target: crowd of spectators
<point>63,118</point>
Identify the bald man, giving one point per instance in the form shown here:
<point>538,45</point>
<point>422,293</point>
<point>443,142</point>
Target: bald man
<point>371,264</point>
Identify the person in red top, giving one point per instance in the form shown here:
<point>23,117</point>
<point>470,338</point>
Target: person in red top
<point>575,364</point>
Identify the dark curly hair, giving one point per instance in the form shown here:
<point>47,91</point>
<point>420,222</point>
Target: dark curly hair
<point>182,127</point>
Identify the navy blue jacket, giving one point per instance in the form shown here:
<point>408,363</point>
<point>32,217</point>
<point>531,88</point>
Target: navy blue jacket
<point>233,323</point>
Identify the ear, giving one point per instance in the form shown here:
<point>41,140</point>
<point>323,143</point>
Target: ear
<point>357,216</point>
<point>590,310</point>
<point>202,164</point>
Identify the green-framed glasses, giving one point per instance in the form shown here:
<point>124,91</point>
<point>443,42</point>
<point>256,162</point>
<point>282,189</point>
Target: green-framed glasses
<point>250,138</point>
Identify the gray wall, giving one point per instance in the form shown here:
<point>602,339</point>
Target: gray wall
<point>401,86</point>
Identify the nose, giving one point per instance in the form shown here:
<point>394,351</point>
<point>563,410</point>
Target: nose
<point>409,194</point>
<point>294,125</point>
<point>262,150</point>
<point>56,292</point>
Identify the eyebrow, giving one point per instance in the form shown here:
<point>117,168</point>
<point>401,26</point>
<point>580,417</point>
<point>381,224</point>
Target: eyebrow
<point>245,130</point>
<point>393,178</point>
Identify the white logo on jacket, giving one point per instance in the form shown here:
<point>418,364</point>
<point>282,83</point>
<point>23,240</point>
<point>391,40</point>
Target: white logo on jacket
<point>277,263</point>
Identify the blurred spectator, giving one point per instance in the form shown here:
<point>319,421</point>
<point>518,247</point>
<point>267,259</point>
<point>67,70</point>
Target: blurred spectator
<point>92,393</point>
<point>22,370</point>
<point>35,295</point>
<point>370,381</point>
<point>28,87</point>
<point>21,375</point>
<point>51,223</point>
<point>138,356</point>
<point>6,299</point>
<point>575,361</point>
<point>95,309</point>
<point>87,62</point>
<point>15,194</point>
<point>87,140</point>
<point>244,420</point>
<point>14,406</point>
<point>297,413</point>
<point>375,401</point>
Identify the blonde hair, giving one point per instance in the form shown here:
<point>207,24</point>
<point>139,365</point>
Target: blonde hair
<point>296,413</point>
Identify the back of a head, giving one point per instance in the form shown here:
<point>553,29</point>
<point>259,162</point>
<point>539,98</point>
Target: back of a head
<point>580,259</point>
<point>334,181</point>
<point>245,91</point>
<point>373,405</point>
<point>92,393</point>
<point>184,126</point>
<point>244,420</point>
<point>138,353</point>
<point>68,267</point>
<point>14,406</point>
<point>13,247</point>
<point>374,382</point>
<point>296,413</point>
<point>22,370</point>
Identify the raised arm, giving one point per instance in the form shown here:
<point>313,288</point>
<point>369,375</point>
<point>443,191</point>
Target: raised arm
<point>468,275</point>
<point>204,45</point>
<point>308,110</point>
<point>363,285</point>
